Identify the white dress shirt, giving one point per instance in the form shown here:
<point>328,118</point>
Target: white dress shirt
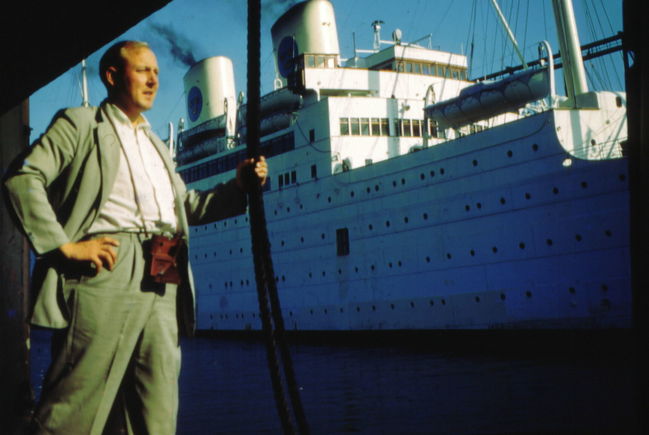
<point>151,201</point>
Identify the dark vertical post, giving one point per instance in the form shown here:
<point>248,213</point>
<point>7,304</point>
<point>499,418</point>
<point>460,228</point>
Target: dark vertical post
<point>15,389</point>
<point>637,88</point>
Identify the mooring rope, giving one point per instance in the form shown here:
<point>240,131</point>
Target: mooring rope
<point>279,357</point>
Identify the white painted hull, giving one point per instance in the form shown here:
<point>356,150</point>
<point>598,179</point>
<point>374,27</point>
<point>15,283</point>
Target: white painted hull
<point>491,230</point>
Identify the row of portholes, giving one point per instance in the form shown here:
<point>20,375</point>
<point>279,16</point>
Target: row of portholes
<point>605,303</point>
<point>472,252</point>
<point>223,223</point>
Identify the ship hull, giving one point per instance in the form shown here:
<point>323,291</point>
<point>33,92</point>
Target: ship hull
<point>499,229</point>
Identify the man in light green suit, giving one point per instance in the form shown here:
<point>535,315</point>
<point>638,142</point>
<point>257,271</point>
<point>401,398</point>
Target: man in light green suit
<point>90,195</point>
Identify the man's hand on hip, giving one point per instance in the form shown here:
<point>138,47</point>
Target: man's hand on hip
<point>98,251</point>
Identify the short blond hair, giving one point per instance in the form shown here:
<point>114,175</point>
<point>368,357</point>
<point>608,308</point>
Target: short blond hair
<point>115,56</point>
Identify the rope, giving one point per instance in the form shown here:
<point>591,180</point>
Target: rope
<point>279,357</point>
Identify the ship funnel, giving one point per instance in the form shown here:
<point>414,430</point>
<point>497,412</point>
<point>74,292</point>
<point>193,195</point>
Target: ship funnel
<point>209,87</point>
<point>307,27</point>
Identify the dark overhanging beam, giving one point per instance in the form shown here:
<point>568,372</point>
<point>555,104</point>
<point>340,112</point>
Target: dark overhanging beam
<point>42,40</point>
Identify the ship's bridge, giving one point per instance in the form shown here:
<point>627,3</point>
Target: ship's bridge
<point>394,72</point>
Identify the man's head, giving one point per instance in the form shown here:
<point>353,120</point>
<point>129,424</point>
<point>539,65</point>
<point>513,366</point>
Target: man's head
<point>129,70</point>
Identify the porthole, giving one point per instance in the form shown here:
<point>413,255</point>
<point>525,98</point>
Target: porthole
<point>549,242</point>
<point>329,199</point>
<point>427,259</point>
<point>578,237</point>
<point>370,227</point>
<point>494,249</point>
<point>555,190</point>
<point>604,288</point>
<point>405,219</point>
<point>528,294</point>
<point>441,171</point>
<point>412,304</point>
<point>622,177</point>
<point>479,205</point>
<point>425,216</point>
<point>403,181</point>
<point>528,195</point>
<point>448,255</point>
<point>584,185</point>
<point>521,245</point>
<point>503,297</point>
<point>443,301</point>
<point>503,200</point>
<point>608,233</point>
<point>472,252</point>
<point>431,302</point>
<point>394,184</point>
<point>572,290</point>
<point>467,207</point>
<point>351,193</point>
<point>387,223</point>
<point>510,153</point>
<point>535,147</point>
<point>475,163</point>
<point>432,173</point>
<point>422,176</point>
<point>477,298</point>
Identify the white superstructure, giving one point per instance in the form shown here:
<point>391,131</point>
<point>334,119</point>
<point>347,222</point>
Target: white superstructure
<point>404,196</point>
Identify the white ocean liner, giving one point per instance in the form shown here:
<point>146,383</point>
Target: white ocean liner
<point>404,196</point>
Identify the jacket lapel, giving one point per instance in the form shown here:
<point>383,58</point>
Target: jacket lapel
<point>109,155</point>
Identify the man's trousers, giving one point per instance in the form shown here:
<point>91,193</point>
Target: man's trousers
<point>122,327</point>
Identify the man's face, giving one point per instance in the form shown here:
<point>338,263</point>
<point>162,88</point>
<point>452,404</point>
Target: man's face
<point>137,83</point>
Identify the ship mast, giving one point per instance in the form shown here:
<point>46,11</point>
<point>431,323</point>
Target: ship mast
<point>573,64</point>
<point>84,84</point>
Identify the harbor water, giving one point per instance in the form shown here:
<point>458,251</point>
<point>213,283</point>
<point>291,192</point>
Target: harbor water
<point>403,386</point>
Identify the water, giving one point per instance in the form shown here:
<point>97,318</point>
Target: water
<point>396,389</point>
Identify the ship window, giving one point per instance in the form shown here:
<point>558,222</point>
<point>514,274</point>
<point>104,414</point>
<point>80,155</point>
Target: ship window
<point>330,62</point>
<point>447,73</point>
<point>280,181</point>
<point>385,131</point>
<point>310,61</point>
<point>293,177</point>
<point>416,68</point>
<point>344,126</point>
<point>355,127</point>
<point>408,67</point>
<point>456,75</point>
<point>365,126</point>
<point>312,135</point>
<point>375,127</point>
<point>320,61</point>
<point>425,69</point>
<point>342,241</point>
<point>416,127</point>
<point>399,67</point>
<point>314,171</point>
<point>406,127</point>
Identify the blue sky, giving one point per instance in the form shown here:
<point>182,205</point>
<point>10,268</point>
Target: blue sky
<point>204,28</point>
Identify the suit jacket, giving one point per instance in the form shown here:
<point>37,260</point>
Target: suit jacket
<point>57,187</point>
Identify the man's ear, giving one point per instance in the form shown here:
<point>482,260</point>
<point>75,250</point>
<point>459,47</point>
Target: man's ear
<point>112,76</point>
